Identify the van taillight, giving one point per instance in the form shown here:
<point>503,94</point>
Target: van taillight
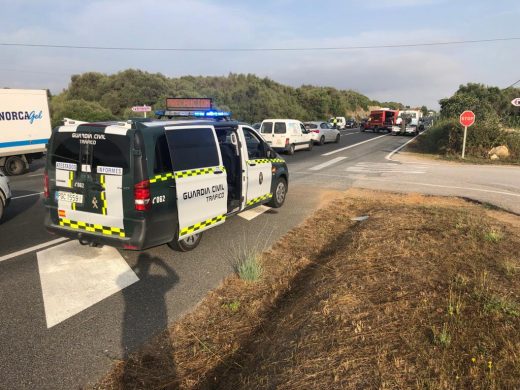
<point>45,185</point>
<point>286,141</point>
<point>142,195</point>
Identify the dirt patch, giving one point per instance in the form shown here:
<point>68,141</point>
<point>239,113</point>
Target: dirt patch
<point>425,293</point>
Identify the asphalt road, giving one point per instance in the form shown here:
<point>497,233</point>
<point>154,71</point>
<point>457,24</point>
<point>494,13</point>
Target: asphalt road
<point>63,323</point>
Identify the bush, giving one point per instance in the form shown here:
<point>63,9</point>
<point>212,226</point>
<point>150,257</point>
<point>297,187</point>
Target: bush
<point>512,140</point>
<point>446,137</point>
<point>435,140</point>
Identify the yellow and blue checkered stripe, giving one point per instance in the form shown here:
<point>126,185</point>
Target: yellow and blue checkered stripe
<point>201,225</point>
<point>71,179</point>
<point>259,199</point>
<point>197,172</point>
<point>265,160</point>
<point>187,173</point>
<point>92,227</point>
<point>162,177</point>
<point>103,195</point>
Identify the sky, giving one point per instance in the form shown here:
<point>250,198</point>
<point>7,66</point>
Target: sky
<point>411,75</point>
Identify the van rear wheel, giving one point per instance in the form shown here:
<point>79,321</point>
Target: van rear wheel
<point>186,244</point>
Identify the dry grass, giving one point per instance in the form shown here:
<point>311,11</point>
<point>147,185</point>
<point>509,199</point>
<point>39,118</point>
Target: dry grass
<point>413,297</point>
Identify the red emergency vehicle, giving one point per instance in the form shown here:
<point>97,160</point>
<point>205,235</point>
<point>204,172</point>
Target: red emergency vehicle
<point>381,120</point>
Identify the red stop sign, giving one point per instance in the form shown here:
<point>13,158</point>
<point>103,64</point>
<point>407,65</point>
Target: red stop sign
<point>467,118</point>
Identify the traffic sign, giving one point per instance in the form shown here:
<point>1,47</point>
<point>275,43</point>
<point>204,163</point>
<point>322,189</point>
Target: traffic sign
<point>141,109</point>
<point>516,102</point>
<point>467,118</point>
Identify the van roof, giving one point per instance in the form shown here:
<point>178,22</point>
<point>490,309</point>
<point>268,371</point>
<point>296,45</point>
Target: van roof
<point>282,119</point>
<point>121,127</point>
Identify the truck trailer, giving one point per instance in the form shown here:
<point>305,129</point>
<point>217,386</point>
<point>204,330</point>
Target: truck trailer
<point>25,128</point>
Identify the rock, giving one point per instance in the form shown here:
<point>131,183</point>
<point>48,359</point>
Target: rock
<point>500,152</point>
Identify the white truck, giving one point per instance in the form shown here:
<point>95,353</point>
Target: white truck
<point>413,122</point>
<point>25,128</point>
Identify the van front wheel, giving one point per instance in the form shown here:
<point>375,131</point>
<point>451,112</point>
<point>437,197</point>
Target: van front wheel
<point>186,244</point>
<point>280,192</point>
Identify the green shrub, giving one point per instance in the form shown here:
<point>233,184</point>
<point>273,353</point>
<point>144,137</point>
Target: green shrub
<point>435,140</point>
<point>249,268</point>
<point>512,140</point>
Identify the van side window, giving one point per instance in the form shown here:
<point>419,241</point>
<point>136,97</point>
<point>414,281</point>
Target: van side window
<point>255,147</point>
<point>280,128</point>
<point>163,162</point>
<point>267,128</point>
<point>192,148</point>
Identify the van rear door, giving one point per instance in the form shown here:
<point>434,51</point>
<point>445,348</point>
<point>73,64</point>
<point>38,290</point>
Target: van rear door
<point>280,135</point>
<point>92,167</point>
<point>200,177</point>
<point>267,131</point>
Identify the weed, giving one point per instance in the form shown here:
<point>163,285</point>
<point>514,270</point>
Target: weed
<point>249,268</point>
<point>246,256</point>
<point>494,303</point>
<point>232,306</point>
<point>510,267</point>
<point>460,280</point>
<point>493,236</point>
<point>443,338</point>
<point>454,303</point>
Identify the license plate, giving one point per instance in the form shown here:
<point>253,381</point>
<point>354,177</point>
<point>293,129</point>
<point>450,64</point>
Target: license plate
<point>70,197</point>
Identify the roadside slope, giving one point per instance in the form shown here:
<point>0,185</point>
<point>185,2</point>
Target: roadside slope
<point>424,293</point>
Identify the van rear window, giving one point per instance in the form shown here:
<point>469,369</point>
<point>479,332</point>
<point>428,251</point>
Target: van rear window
<point>192,148</point>
<point>280,128</point>
<point>267,128</point>
<point>108,150</point>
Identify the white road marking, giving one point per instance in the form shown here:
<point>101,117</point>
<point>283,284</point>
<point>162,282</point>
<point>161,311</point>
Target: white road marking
<point>423,184</point>
<point>253,213</point>
<point>26,196</point>
<point>74,277</point>
<point>32,249</point>
<point>388,167</point>
<point>389,155</point>
<point>352,146</point>
<point>35,174</point>
<point>327,163</point>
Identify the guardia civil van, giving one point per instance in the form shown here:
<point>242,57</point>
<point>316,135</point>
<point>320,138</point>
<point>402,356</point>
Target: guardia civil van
<point>139,184</point>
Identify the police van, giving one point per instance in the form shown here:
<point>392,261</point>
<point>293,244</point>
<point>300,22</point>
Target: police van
<point>143,183</point>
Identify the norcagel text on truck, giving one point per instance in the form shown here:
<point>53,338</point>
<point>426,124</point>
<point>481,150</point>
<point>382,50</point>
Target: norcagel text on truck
<point>25,128</point>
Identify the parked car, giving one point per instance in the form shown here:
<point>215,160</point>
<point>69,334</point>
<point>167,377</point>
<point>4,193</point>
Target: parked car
<point>287,135</point>
<point>256,125</point>
<point>322,132</point>
<point>5,194</point>
<point>351,123</point>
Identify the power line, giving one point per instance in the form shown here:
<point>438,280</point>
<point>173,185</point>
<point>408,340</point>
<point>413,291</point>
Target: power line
<point>206,49</point>
<point>512,85</point>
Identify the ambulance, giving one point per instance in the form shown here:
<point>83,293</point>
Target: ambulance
<point>143,183</point>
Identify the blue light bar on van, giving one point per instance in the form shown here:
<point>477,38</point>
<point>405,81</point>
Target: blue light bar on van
<point>211,114</point>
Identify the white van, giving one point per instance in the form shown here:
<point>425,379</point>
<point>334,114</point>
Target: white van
<point>286,135</point>
<point>341,122</point>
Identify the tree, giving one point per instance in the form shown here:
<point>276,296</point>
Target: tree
<point>79,109</point>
